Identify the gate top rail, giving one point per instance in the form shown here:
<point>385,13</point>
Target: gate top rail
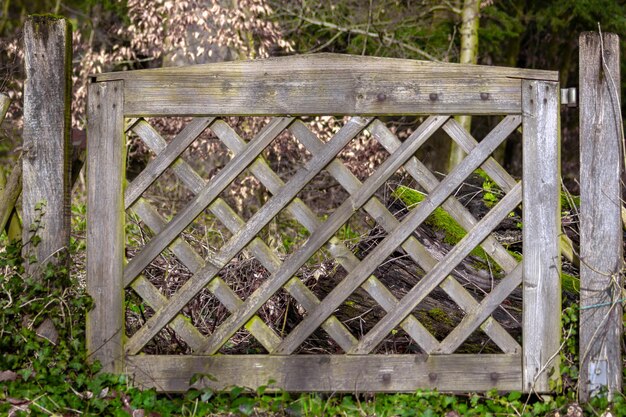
<point>324,84</point>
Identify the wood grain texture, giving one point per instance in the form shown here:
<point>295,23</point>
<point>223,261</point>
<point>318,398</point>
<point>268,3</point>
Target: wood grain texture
<point>330,373</point>
<point>330,226</point>
<point>309,219</point>
<point>430,281</point>
<point>235,167</point>
<point>418,253</point>
<point>237,242</point>
<point>165,158</point>
<point>357,276</point>
<point>325,84</point>
<point>600,210</point>
<point>541,333</point>
<point>106,145</point>
<point>46,147</point>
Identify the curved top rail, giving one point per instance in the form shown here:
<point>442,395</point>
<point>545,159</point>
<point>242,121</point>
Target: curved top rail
<point>324,84</point>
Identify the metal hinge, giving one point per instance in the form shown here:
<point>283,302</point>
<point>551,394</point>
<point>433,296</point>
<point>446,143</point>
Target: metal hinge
<point>569,97</point>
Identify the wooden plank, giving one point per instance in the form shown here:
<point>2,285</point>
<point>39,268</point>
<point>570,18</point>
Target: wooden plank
<point>46,140</point>
<point>393,240</point>
<point>325,84</point>
<point>503,179</point>
<point>600,206</point>
<point>541,217</point>
<point>330,373</point>
<point>430,281</point>
<point>165,158</point>
<point>259,220</point>
<point>466,142</point>
<point>324,233</point>
<point>481,312</point>
<point>106,147</point>
<point>235,167</point>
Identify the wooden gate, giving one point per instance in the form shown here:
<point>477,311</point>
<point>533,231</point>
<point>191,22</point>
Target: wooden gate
<point>290,92</point>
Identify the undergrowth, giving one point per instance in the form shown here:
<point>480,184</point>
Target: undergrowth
<point>49,373</point>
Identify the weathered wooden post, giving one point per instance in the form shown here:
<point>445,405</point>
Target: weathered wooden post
<point>600,221</point>
<point>46,163</point>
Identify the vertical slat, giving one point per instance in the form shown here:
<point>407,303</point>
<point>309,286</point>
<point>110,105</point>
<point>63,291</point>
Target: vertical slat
<point>600,223</point>
<point>105,223</point>
<point>541,219</point>
<point>46,161</point>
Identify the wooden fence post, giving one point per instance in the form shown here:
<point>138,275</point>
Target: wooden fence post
<point>600,221</point>
<point>542,226</point>
<point>105,223</point>
<point>46,163</point>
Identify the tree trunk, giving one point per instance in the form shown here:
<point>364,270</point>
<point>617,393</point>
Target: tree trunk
<point>469,55</point>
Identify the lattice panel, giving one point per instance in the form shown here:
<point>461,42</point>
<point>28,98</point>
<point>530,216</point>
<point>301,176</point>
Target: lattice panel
<point>363,197</point>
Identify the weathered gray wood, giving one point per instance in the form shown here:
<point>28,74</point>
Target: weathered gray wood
<point>165,158</point>
<point>9,194</point>
<point>105,224</point>
<point>235,167</point>
<point>541,333</point>
<point>331,373</point>
<point>393,240</point>
<point>430,281</point>
<point>46,147</point>
<point>156,143</point>
<point>232,221</point>
<point>237,242</point>
<point>600,224</point>
<point>326,84</point>
<point>295,287</point>
<point>324,233</point>
<point>412,246</point>
<point>503,179</point>
<point>185,253</point>
<point>309,219</point>
<point>481,312</point>
<point>456,210</point>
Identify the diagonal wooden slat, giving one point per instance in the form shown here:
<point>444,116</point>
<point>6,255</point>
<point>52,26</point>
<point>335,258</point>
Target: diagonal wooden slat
<point>321,235</point>
<point>190,178</point>
<point>164,159</point>
<point>295,287</point>
<point>466,142</point>
<point>307,217</point>
<point>193,262</point>
<point>259,220</point>
<point>412,246</point>
<point>481,312</point>
<point>456,210</point>
<point>355,278</point>
<point>435,276</point>
<point>231,220</point>
<point>235,167</point>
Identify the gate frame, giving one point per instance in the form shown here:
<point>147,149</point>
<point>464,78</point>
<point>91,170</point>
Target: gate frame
<point>320,85</point>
